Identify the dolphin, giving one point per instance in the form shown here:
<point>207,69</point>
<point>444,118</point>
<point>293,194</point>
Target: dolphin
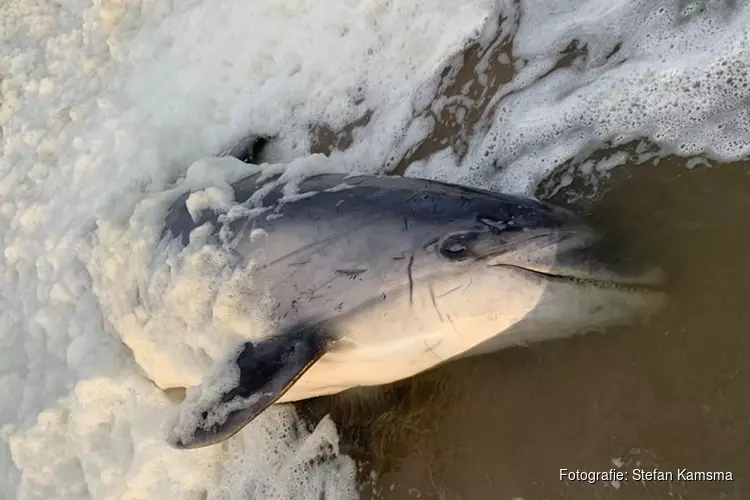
<point>375,279</point>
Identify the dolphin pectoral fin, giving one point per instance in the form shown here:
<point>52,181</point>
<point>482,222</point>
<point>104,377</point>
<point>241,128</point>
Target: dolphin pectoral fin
<point>267,370</point>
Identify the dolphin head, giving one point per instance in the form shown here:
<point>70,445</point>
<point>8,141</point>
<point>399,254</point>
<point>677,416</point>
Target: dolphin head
<point>528,270</point>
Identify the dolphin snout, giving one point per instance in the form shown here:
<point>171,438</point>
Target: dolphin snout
<point>602,261</point>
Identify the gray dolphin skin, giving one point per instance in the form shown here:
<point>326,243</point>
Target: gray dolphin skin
<point>376,279</point>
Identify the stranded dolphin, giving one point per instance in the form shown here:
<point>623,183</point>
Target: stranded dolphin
<point>376,279</point>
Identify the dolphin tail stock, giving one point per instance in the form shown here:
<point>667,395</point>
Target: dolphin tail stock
<point>267,370</point>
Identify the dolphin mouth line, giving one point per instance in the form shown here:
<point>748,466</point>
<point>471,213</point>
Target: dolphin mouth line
<point>634,287</point>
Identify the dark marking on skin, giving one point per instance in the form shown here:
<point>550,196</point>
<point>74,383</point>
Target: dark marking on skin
<point>595,309</point>
<point>450,320</point>
<point>350,273</point>
<point>299,263</point>
<point>430,243</point>
<point>406,224</point>
<point>311,293</point>
<point>318,244</point>
<point>411,279</point>
<point>434,303</point>
<point>615,50</point>
<point>431,348</point>
<point>457,287</point>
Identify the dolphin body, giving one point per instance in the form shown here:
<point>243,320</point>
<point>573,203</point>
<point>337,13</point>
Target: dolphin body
<point>376,279</point>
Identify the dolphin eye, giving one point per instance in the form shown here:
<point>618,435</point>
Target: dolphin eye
<point>456,246</point>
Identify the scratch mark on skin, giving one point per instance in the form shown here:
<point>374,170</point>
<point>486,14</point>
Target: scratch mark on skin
<point>450,320</point>
<point>448,292</point>
<point>350,273</point>
<point>311,293</point>
<point>321,244</point>
<point>431,348</point>
<point>299,263</point>
<point>434,302</point>
<point>411,279</point>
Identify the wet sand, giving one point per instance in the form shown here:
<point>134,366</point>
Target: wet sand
<point>670,394</point>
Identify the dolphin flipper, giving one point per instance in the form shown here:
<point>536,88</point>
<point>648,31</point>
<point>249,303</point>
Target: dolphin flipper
<point>267,370</point>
